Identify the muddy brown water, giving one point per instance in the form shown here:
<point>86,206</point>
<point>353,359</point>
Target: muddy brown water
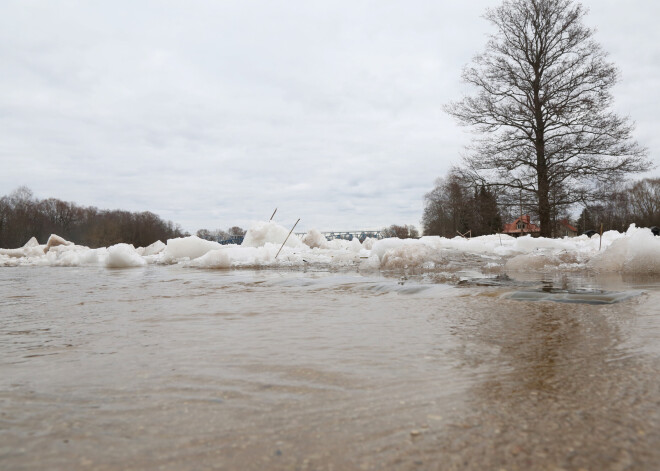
<point>171,368</point>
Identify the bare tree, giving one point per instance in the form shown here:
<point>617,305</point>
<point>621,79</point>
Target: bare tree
<point>645,201</point>
<point>205,234</point>
<point>401,232</point>
<point>542,108</point>
<point>446,208</point>
<point>236,231</point>
<point>455,205</point>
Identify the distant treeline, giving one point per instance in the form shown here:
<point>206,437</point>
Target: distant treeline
<point>457,205</point>
<point>22,216</point>
<point>635,202</point>
<point>402,232</point>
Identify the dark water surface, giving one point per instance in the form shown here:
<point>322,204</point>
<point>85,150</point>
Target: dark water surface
<point>175,369</point>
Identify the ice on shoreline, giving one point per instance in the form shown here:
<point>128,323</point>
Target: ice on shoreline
<point>635,251</point>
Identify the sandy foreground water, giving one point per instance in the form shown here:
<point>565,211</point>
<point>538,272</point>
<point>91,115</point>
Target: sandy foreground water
<point>171,368</point>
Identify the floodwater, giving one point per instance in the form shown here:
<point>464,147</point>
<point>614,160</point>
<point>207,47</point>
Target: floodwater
<point>171,368</point>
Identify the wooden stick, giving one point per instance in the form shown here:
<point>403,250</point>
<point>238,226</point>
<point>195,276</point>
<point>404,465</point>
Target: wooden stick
<point>463,235</point>
<point>271,218</point>
<point>287,237</point>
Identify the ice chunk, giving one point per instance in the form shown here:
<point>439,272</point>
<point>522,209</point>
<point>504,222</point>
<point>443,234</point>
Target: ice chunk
<point>33,242</point>
<point>15,253</point>
<point>542,260</point>
<point>408,255</point>
<point>72,256</point>
<point>368,243</point>
<point>263,233</point>
<point>214,259</point>
<point>396,253</point>
<point>380,247</point>
<point>123,256</point>
<point>30,249</point>
<point>527,262</point>
<point>314,239</point>
<point>638,252</point>
<point>187,247</point>
<point>153,249</point>
<point>355,245</point>
<point>239,256</point>
<point>54,240</point>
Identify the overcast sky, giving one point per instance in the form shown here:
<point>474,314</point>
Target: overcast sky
<point>213,113</point>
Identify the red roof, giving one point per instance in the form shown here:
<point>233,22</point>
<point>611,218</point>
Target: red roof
<point>528,226</point>
<point>564,222</point>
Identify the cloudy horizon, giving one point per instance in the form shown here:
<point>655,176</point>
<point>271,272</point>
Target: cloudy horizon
<point>211,114</point>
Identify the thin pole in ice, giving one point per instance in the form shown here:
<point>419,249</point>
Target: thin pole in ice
<point>600,244</point>
<point>287,237</point>
<point>273,215</point>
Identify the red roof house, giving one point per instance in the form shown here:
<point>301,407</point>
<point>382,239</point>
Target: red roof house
<point>522,226</point>
<point>564,229</point>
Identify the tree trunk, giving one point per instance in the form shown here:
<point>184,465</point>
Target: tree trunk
<point>544,206</point>
<point>545,209</point>
<point>541,161</point>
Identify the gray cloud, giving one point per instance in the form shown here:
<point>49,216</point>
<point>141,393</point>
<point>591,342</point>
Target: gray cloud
<point>213,113</point>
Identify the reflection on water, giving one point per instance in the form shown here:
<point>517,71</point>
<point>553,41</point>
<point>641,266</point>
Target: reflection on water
<point>573,296</point>
<point>167,368</point>
<point>564,390</point>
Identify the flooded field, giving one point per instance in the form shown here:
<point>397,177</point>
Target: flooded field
<point>167,367</point>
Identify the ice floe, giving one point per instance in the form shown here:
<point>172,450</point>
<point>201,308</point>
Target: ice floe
<point>635,251</point>
<point>122,256</point>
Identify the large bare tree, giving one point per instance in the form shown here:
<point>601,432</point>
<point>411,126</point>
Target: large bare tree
<point>542,109</point>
